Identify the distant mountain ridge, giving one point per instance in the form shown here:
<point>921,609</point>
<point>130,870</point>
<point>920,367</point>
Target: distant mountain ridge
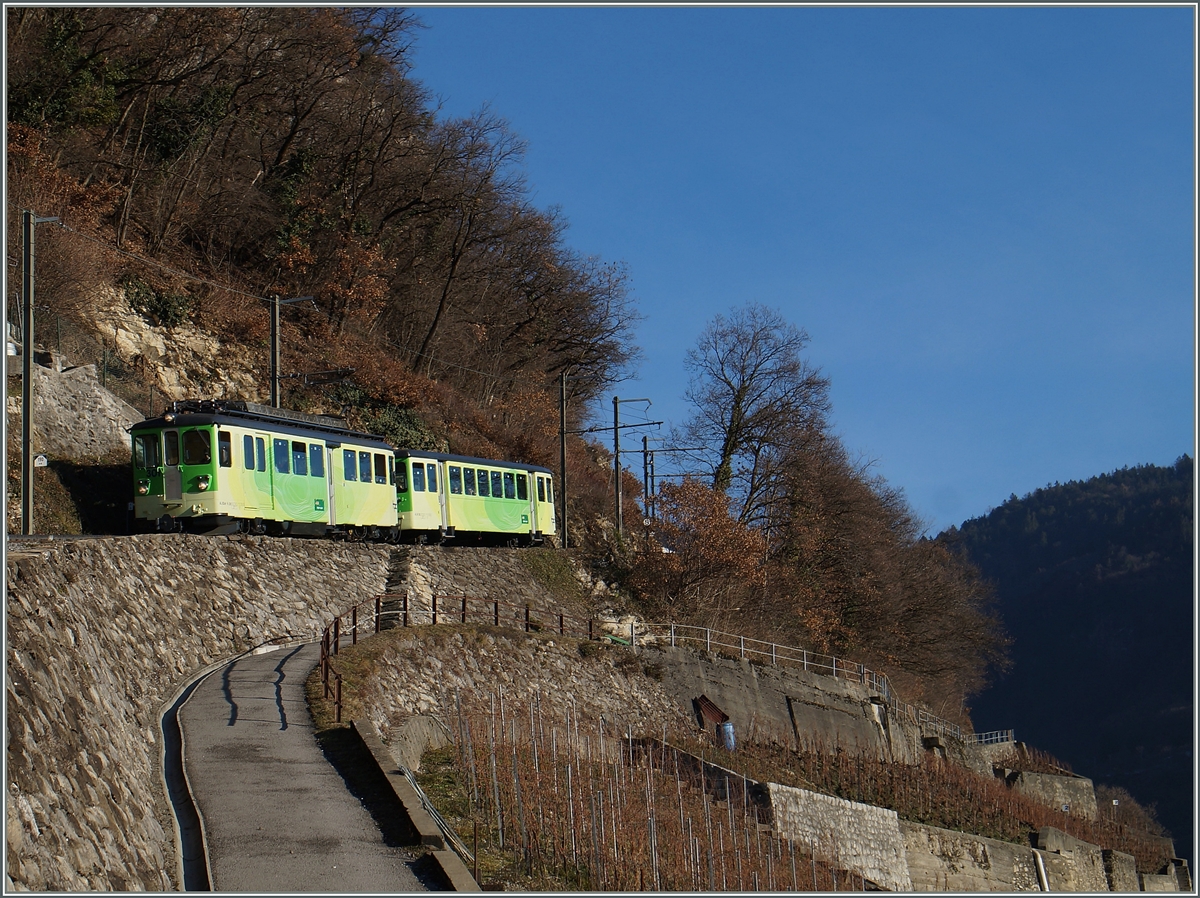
<point>1094,581</point>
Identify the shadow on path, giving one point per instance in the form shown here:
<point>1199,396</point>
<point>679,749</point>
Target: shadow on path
<point>352,760</point>
<point>283,723</point>
<point>194,862</point>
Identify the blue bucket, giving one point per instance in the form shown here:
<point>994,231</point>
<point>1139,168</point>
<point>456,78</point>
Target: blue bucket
<point>727,736</point>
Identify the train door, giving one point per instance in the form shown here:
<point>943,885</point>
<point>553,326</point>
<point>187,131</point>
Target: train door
<point>172,477</point>
<point>262,473</point>
<point>250,493</point>
<point>333,470</point>
<point>441,489</point>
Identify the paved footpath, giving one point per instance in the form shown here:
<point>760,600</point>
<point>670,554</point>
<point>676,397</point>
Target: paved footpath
<point>277,816</point>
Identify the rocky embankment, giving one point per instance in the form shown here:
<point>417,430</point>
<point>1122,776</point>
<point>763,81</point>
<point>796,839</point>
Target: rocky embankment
<point>102,633</point>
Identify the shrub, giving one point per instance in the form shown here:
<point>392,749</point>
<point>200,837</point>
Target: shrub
<point>164,309</point>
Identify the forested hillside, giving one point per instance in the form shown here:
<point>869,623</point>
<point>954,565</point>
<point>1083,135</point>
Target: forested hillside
<point>1095,583</point>
<point>205,158</point>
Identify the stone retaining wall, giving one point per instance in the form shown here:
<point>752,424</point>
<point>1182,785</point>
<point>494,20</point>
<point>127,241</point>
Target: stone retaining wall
<point>943,860</point>
<point>102,632</point>
<point>493,574</point>
<point>855,836</point>
<point>428,672</point>
<point>1076,792</point>
<point>59,428</point>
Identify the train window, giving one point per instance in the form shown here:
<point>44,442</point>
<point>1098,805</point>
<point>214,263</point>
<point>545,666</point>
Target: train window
<point>316,460</point>
<point>469,481</point>
<point>401,479</point>
<point>380,468</point>
<point>418,471</point>
<point>299,458</point>
<point>171,438</point>
<point>497,484</point>
<point>455,475</point>
<point>541,489</point>
<point>225,449</point>
<point>349,462</point>
<point>281,455</point>
<point>510,490</point>
<point>522,488</point>
<point>146,451</point>
<point>248,451</point>
<point>260,449</point>
<point>392,469</point>
<point>431,476</point>
<point>364,467</point>
<point>549,490</point>
<point>483,483</point>
<point>197,447</point>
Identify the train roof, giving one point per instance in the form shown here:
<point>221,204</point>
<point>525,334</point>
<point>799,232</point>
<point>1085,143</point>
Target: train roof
<point>227,411</point>
<point>471,460</point>
<point>194,412</point>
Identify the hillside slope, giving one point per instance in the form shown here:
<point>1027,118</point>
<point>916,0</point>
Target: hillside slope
<point>1095,583</point>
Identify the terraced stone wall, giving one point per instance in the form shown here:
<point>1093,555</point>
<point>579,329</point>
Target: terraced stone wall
<point>102,633</point>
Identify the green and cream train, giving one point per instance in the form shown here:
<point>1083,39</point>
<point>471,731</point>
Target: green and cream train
<point>221,466</point>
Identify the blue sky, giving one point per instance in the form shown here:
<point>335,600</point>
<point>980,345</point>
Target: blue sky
<point>982,216</point>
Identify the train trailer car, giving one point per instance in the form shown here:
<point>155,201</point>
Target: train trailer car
<point>473,500</point>
<point>222,466</point>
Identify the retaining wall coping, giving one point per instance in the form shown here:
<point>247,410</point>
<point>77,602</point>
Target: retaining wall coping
<point>448,861</point>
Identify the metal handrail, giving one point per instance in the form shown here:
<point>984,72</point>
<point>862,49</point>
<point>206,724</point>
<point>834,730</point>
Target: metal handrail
<point>459,609</point>
<point>993,737</point>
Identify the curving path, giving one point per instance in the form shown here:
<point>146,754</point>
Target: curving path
<point>277,816</point>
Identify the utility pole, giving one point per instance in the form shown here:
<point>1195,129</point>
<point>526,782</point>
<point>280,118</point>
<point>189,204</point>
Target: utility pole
<point>617,453</point>
<point>28,220</point>
<point>275,350</point>
<point>617,458</point>
<point>648,476</point>
<point>276,302</point>
<point>562,454</point>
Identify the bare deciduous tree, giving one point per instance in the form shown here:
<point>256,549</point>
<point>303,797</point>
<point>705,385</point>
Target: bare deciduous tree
<point>754,395</point>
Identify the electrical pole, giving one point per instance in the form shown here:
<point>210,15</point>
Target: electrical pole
<point>617,452</point>
<point>276,341</point>
<point>646,475</point>
<point>617,458</point>
<point>562,454</point>
<point>275,350</point>
<point>28,220</point>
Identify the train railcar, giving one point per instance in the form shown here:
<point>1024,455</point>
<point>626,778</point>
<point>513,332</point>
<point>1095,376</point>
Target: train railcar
<point>215,466</point>
<point>473,500</point>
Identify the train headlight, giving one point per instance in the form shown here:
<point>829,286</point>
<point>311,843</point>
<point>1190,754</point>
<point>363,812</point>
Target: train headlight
<point>202,482</point>
<point>143,487</point>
